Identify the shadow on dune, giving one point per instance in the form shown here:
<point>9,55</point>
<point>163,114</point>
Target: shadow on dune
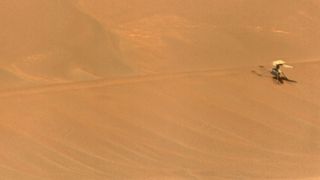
<point>52,39</point>
<point>283,79</point>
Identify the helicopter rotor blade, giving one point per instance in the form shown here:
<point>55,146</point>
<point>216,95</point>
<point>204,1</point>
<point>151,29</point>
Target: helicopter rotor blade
<point>287,66</point>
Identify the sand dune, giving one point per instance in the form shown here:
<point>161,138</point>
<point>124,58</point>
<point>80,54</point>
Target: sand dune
<point>158,90</point>
<point>186,35</point>
<point>52,40</point>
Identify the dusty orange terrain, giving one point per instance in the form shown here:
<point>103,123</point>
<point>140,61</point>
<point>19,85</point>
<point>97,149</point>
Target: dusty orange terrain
<point>159,90</point>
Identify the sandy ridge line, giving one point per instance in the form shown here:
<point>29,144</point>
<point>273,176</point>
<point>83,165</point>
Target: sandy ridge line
<point>57,87</point>
<point>114,81</point>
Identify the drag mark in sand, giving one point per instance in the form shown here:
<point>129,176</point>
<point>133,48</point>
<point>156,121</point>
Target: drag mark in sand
<point>113,82</point>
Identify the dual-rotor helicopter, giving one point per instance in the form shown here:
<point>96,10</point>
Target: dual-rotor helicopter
<point>277,73</point>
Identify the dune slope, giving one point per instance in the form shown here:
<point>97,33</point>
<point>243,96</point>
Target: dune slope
<point>194,125</point>
<point>52,41</point>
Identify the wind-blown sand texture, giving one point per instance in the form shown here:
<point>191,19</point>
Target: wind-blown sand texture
<point>159,90</point>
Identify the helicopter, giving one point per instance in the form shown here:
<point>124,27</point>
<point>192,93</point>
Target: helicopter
<point>277,74</point>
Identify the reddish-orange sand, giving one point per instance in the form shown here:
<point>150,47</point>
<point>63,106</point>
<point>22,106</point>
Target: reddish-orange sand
<point>159,90</point>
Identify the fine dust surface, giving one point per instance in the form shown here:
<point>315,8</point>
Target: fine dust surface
<point>159,90</point>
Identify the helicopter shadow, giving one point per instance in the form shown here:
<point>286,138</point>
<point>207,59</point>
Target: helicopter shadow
<point>283,79</point>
